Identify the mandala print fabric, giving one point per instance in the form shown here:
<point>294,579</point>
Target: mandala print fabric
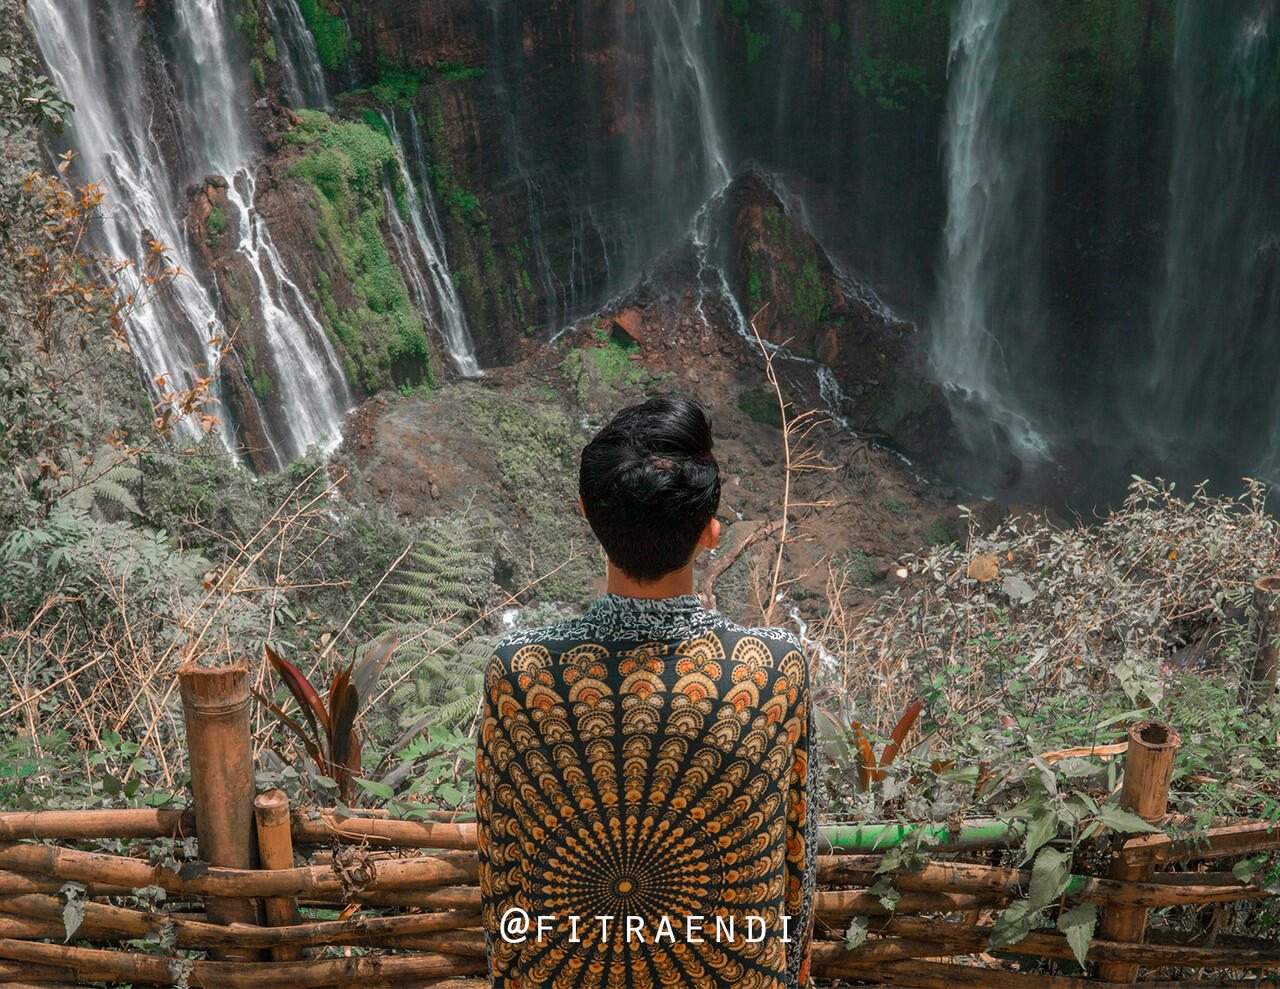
<point>644,778</point>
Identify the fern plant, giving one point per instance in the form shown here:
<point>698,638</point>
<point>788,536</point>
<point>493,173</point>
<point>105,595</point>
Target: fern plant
<point>435,604</point>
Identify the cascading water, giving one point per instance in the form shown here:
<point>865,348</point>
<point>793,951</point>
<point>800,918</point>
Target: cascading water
<point>305,82</point>
<point>986,316</point>
<point>421,247</point>
<point>94,59</point>
<point>96,64</point>
<point>1212,379</point>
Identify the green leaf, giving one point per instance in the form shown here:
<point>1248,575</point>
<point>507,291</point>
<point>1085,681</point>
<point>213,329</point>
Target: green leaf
<point>856,933</point>
<point>1042,828</point>
<point>1118,819</point>
<point>1013,924</point>
<point>1049,877</point>
<point>73,911</point>
<point>1078,924</point>
<point>1246,869</point>
<point>377,789</point>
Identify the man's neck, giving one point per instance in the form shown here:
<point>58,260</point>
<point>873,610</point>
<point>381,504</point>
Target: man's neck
<point>670,586</point>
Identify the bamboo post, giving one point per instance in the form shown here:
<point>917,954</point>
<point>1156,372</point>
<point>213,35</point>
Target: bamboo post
<point>215,705</point>
<point>1266,618</point>
<point>275,848</point>
<point>1145,792</point>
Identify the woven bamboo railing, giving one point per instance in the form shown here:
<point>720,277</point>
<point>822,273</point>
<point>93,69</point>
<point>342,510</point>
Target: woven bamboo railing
<point>410,903</point>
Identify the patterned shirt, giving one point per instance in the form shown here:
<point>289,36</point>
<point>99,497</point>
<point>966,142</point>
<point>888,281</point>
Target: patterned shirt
<point>649,763</point>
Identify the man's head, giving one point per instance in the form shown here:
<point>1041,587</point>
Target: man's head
<point>649,485</point>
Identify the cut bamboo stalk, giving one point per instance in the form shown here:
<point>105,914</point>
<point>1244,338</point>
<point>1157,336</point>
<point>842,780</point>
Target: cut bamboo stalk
<point>1145,792</point>
<point>215,704</point>
<point>14,883</point>
<point>96,964</point>
<point>1261,683</point>
<point>966,939</point>
<point>848,902</point>
<point>1231,839</point>
<point>77,825</point>
<point>35,973</point>
<point>463,944</point>
<point>311,882</point>
<point>449,898</point>
<point>275,848</point>
<point>964,877</point>
<point>397,834</point>
<point>101,918</point>
<point>936,975</point>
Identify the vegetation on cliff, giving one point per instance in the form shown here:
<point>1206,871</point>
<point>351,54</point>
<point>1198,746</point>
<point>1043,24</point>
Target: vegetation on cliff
<point>349,163</point>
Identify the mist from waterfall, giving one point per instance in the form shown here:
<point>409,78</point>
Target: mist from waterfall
<point>1213,374</point>
<point>987,314</point>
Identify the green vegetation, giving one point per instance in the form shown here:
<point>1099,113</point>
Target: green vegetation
<point>458,72</point>
<point>255,65</point>
<point>1041,638</point>
<point>347,162</point>
<point>536,448</point>
<point>860,568</point>
<point>216,222</point>
<point>893,505</point>
<point>938,533</point>
<point>894,402</point>
<point>761,405</point>
<point>329,31</point>
<point>248,20</point>
<point>269,50</point>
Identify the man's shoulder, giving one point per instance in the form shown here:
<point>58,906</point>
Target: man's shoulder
<point>775,636</point>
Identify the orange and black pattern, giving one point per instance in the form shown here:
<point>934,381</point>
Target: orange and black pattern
<point>650,760</point>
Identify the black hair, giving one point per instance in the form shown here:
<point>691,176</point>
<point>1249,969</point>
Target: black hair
<point>650,484</point>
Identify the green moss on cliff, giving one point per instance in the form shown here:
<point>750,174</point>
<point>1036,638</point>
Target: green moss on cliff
<point>329,31</point>
<point>761,405</point>
<point>383,336</point>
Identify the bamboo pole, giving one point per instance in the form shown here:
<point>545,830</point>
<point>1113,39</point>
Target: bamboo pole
<point>448,898</point>
<point>108,920</point>
<point>304,882</point>
<point>81,824</point>
<point>964,877</point>
<point>215,704</point>
<point>35,973</point>
<point>935,975</point>
<point>1145,792</point>
<point>397,834</point>
<point>275,847</point>
<point>1232,839</point>
<point>98,965</point>
<point>1261,682</point>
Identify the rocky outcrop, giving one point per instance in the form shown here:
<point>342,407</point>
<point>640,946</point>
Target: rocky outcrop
<point>796,298</point>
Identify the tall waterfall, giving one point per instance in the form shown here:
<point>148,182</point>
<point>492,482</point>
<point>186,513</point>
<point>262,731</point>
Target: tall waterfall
<point>93,51</point>
<point>422,251</point>
<point>305,82</point>
<point>986,316</point>
<point>1214,373</point>
<point>95,61</point>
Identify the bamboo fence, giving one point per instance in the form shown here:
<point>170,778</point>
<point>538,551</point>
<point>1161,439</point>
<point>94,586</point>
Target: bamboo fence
<point>407,898</point>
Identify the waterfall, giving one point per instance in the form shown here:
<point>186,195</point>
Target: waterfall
<point>986,316</point>
<point>113,128</point>
<point>304,78</point>
<point>1212,377</point>
<point>422,248</point>
<point>95,64</point>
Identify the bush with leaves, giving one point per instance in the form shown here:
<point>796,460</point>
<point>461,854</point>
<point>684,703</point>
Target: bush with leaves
<point>1035,640</point>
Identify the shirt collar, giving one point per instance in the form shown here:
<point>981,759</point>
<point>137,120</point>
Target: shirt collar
<point>617,606</point>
